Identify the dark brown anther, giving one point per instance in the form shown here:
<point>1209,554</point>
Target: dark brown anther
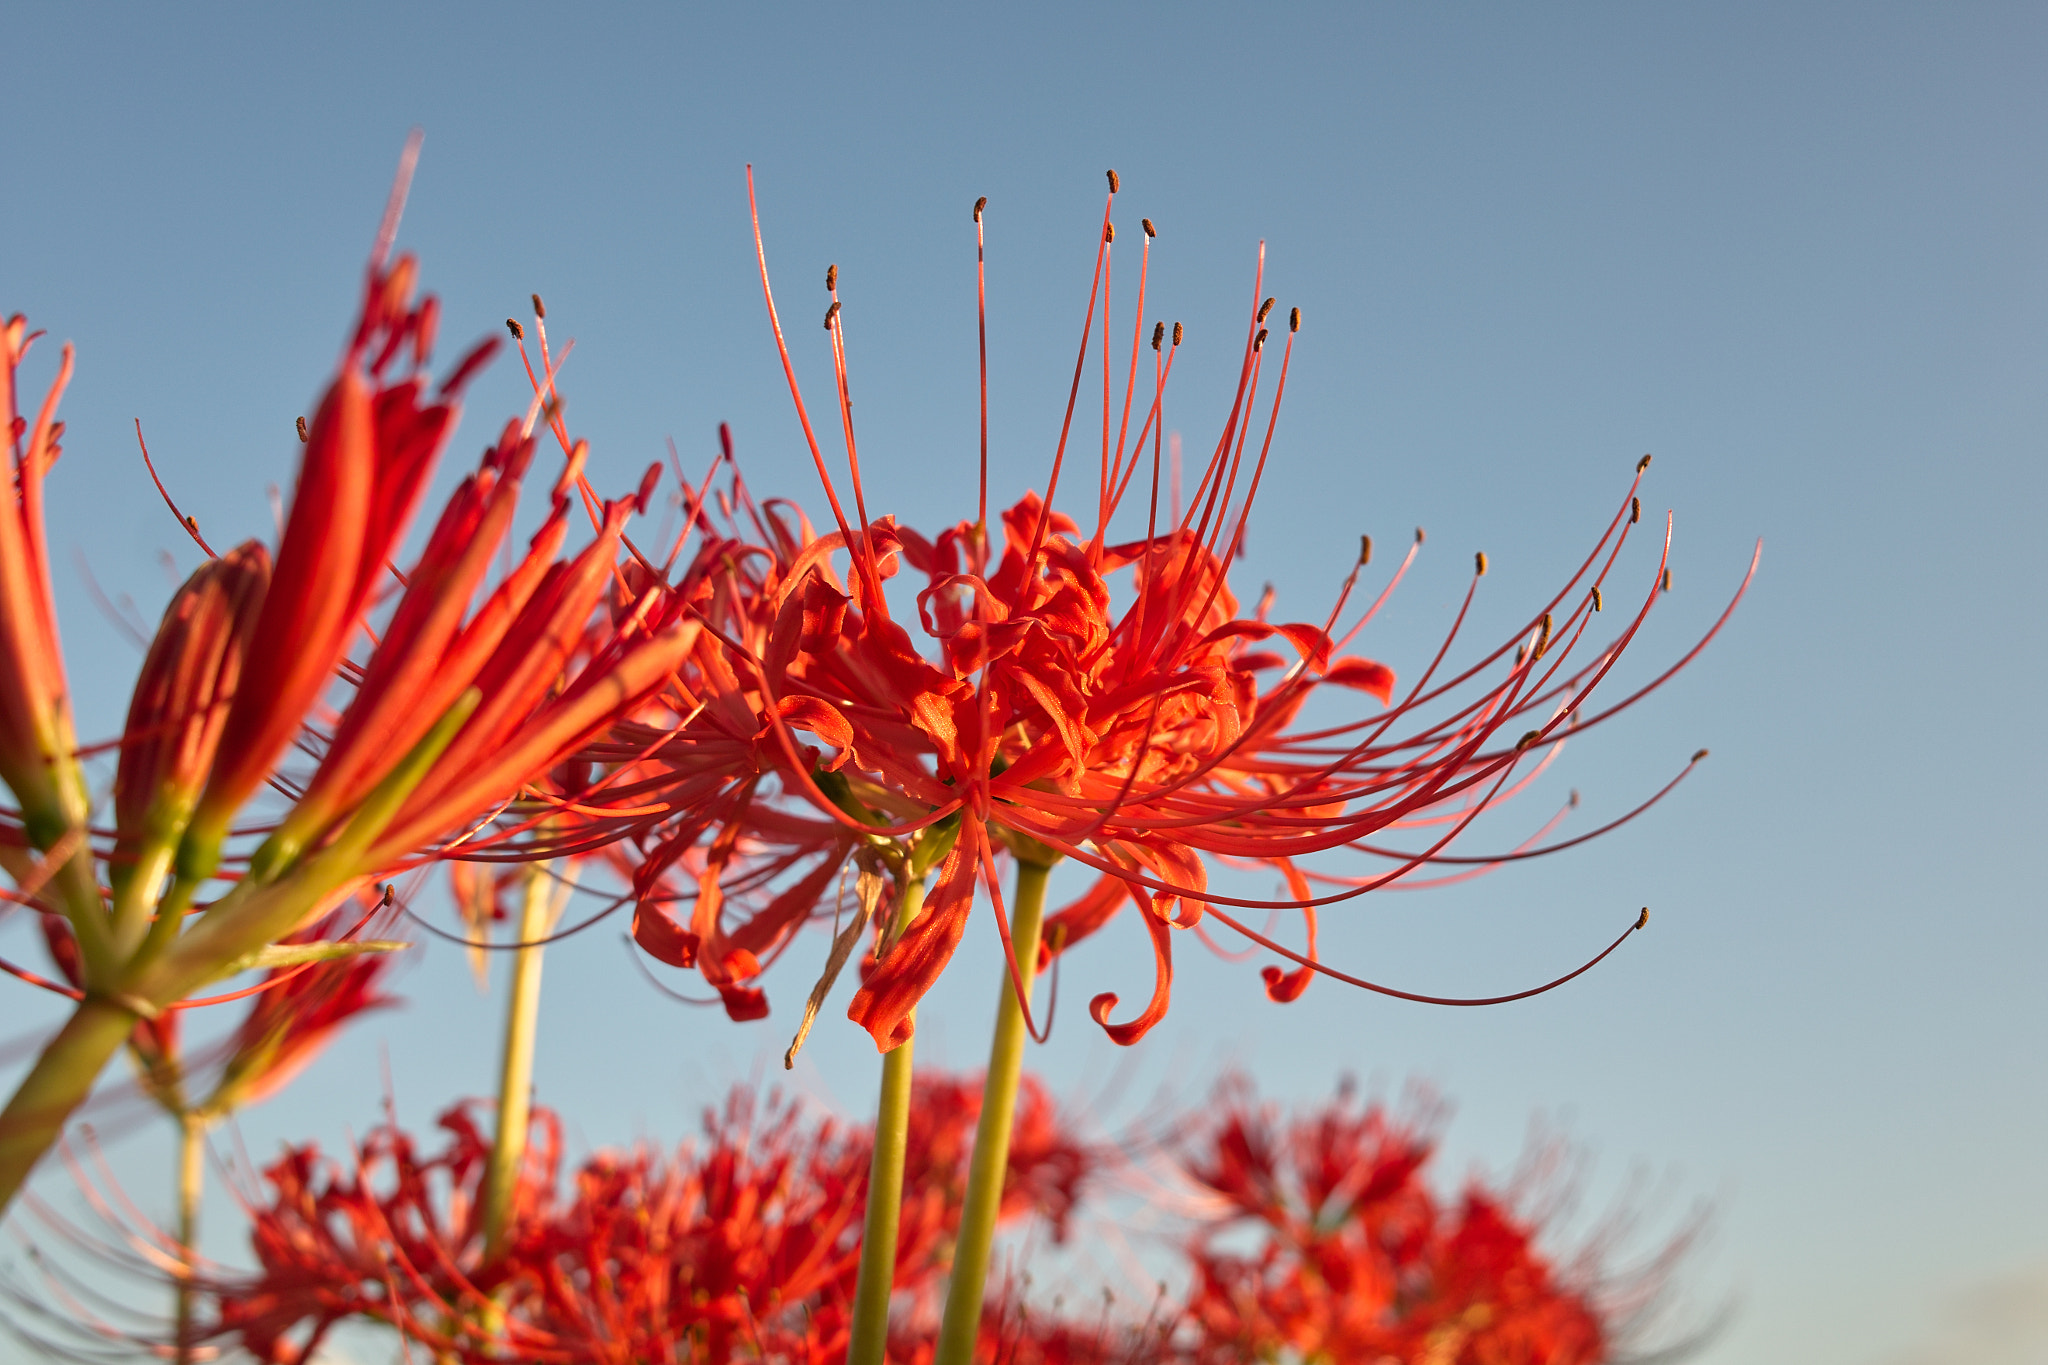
<point>1114,185</point>
<point>1150,231</point>
<point>979,205</point>
<point>1364,550</point>
<point>1264,309</point>
<point>1109,232</point>
<point>831,315</point>
<point>1666,583</point>
<point>1635,510</point>
<point>540,310</point>
<point>1533,737</point>
<point>1574,802</point>
<point>303,437</point>
<point>1596,597</point>
<point>831,278</point>
<point>1543,636</point>
<point>512,326</point>
<point>1419,537</point>
<point>192,524</point>
<point>1642,464</point>
<point>1176,334</point>
<point>1479,561</point>
<point>1700,755</point>
<point>1259,341</point>
<point>1521,655</point>
<point>1158,334</point>
<point>1643,918</point>
<point>1294,319</point>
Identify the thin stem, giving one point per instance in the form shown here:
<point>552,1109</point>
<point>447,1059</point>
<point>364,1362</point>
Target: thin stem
<point>191,1181</point>
<point>960,1327</point>
<point>885,1184</point>
<point>58,1083</point>
<point>515,1076</point>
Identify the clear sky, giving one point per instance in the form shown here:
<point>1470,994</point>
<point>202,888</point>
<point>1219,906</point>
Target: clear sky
<point>1798,252</point>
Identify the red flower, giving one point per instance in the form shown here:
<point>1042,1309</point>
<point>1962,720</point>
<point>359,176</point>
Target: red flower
<point>1355,1258</point>
<point>459,707</point>
<point>1143,741</point>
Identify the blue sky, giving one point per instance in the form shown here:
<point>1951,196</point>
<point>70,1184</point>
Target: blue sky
<point>1799,253</point>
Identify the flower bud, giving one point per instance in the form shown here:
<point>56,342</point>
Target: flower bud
<point>36,740</point>
<point>181,700</point>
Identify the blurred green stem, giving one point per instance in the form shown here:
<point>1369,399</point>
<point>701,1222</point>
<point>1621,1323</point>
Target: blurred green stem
<point>56,1085</point>
<point>515,1076</point>
<point>191,1182</point>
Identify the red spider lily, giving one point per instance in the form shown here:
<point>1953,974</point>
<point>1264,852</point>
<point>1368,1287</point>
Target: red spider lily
<point>1143,740</point>
<point>741,1248</point>
<point>1357,1259</point>
<point>1315,1236</point>
<point>1320,1238</point>
<point>454,714</point>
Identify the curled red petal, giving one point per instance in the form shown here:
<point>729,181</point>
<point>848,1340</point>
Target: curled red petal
<point>1162,988</point>
<point>656,931</point>
<point>885,1000</point>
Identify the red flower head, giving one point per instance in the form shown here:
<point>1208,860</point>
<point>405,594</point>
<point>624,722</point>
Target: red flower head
<point>1350,1256</point>
<point>1148,739</point>
<point>456,709</point>
<point>496,692</point>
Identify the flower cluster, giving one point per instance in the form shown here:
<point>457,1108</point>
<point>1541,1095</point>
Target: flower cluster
<point>741,722</point>
<point>1315,1236</point>
<point>740,1247</point>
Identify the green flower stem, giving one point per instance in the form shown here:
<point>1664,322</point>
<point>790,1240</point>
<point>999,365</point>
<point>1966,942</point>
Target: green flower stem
<point>58,1083</point>
<point>962,1322</point>
<point>885,1184</point>
<point>515,1076</point>
<point>191,1181</point>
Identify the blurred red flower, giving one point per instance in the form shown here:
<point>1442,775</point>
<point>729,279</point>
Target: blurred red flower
<point>742,1246</point>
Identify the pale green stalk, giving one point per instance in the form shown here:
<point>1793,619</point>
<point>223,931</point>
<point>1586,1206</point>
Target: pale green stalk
<point>515,1074</point>
<point>191,1181</point>
<point>961,1324</point>
<point>885,1184</point>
